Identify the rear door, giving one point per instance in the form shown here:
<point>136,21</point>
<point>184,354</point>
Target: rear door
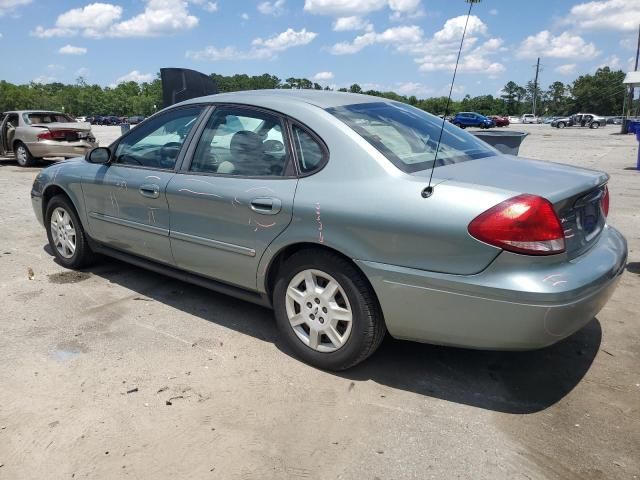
<point>126,200</point>
<point>234,197</point>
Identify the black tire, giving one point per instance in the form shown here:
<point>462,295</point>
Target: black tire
<point>368,328</point>
<point>560,125</point>
<point>83,255</point>
<point>23,155</point>
<point>595,125</point>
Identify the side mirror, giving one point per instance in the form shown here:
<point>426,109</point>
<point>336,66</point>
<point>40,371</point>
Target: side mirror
<point>99,155</point>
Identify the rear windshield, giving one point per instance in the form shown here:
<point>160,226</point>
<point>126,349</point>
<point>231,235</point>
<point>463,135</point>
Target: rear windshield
<point>408,136</point>
<point>46,117</point>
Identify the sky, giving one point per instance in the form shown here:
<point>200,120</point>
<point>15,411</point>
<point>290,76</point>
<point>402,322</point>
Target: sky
<point>407,46</point>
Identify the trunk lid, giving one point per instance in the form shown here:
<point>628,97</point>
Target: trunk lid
<point>67,131</point>
<point>575,193</point>
<point>77,126</point>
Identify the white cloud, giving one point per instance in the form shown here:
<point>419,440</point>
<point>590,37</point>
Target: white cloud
<point>565,45</point>
<point>439,52</point>
<point>261,48</point>
<point>44,79</point>
<point>273,7</point>
<point>1,35</point>
<point>135,76</point>
<point>287,39</point>
<point>7,6</point>
<point>344,24</point>
<point>322,76</point>
<point>394,36</point>
<point>343,7</point>
<point>245,16</point>
<point>412,88</point>
<point>606,15</point>
<point>566,69</point>
<point>96,20</point>
<point>71,50</point>
<point>613,62</point>
<point>205,4</point>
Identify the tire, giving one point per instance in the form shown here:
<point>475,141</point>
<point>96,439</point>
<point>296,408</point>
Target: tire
<point>595,125</point>
<point>23,155</point>
<point>61,239</point>
<point>346,342</point>
<point>560,125</point>
<point>458,125</point>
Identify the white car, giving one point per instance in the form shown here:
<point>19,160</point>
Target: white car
<point>513,119</point>
<point>530,118</point>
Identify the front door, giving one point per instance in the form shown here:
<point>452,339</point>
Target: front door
<point>3,136</point>
<point>126,199</point>
<point>234,198</point>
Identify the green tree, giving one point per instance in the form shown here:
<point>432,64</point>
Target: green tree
<point>602,93</point>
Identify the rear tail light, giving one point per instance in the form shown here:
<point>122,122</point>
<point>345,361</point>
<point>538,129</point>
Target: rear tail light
<point>605,201</point>
<point>57,135</point>
<point>523,224</point>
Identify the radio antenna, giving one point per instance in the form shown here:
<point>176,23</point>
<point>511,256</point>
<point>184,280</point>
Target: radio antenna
<point>427,192</point>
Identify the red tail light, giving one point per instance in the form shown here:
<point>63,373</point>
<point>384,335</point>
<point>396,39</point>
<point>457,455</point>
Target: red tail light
<point>57,135</point>
<point>605,201</point>
<point>523,224</point>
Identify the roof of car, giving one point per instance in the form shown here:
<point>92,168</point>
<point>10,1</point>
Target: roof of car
<point>319,98</point>
<point>20,112</point>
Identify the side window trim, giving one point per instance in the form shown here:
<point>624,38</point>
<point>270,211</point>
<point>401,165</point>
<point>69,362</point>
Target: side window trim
<point>289,167</point>
<point>183,149</point>
<point>323,146</point>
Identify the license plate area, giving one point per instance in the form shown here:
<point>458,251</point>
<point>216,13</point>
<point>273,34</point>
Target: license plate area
<point>589,215</point>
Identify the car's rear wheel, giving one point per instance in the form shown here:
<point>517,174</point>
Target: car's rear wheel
<point>560,125</point>
<point>326,310</point>
<point>23,155</point>
<point>595,125</point>
<point>66,235</point>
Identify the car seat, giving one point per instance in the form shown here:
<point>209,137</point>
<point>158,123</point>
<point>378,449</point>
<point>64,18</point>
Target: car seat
<point>247,155</point>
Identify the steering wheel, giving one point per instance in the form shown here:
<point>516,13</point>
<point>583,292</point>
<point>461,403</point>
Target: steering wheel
<point>169,153</point>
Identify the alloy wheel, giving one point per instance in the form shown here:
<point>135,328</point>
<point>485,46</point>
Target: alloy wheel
<point>21,154</point>
<point>63,232</point>
<point>318,311</point>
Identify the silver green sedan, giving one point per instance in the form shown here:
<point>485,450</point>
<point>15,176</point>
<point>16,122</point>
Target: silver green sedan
<point>315,204</point>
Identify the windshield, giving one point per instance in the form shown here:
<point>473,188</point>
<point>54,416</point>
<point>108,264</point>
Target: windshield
<point>46,117</point>
<point>408,136</point>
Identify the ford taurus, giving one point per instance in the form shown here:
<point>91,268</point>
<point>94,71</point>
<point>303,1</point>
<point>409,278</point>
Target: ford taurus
<point>316,204</point>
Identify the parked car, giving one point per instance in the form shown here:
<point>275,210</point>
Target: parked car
<point>548,120</point>
<point>315,204</point>
<point>615,120</point>
<point>580,120</point>
<point>500,121</point>
<point>95,120</point>
<point>472,119</point>
<point>81,119</point>
<point>33,134</point>
<point>135,119</point>
<point>514,119</point>
<point>530,118</point>
<point>111,120</point>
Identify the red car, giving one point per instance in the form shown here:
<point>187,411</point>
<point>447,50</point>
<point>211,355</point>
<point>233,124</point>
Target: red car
<point>500,121</point>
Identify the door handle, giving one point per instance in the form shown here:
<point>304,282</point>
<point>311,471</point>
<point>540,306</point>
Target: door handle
<point>266,205</point>
<point>150,190</point>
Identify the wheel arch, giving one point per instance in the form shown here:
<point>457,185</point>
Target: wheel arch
<point>53,190</point>
<point>278,260</point>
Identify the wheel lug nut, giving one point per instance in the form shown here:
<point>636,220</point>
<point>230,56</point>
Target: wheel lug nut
<point>309,304</point>
<point>312,316</point>
<point>317,300</point>
<point>321,320</point>
<point>324,309</point>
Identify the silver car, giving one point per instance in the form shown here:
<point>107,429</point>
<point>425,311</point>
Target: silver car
<point>316,204</point>
<point>34,134</point>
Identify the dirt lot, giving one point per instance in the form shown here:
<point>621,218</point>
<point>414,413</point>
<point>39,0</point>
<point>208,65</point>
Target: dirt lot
<point>116,372</point>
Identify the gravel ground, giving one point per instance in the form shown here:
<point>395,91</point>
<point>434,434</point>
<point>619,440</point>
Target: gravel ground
<point>116,372</point>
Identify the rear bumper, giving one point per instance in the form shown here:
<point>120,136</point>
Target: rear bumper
<point>515,304</point>
<point>52,148</point>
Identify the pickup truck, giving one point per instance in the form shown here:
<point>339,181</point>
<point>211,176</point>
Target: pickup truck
<point>530,118</point>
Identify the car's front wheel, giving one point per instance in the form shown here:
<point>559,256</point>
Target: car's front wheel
<point>23,155</point>
<point>66,235</point>
<point>560,125</point>
<point>326,310</point>
<point>595,125</point>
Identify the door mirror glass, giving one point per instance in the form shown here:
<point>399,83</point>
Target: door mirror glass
<point>98,155</point>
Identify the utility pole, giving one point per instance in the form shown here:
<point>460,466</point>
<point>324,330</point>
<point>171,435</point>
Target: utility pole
<point>535,86</point>
<point>635,69</point>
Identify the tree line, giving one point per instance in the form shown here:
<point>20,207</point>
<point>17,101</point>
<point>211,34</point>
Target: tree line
<point>601,93</point>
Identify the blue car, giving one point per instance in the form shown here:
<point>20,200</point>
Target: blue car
<point>472,119</point>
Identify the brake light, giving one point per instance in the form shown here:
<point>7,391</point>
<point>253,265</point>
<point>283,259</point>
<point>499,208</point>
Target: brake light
<point>605,201</point>
<point>523,224</point>
<point>56,134</point>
